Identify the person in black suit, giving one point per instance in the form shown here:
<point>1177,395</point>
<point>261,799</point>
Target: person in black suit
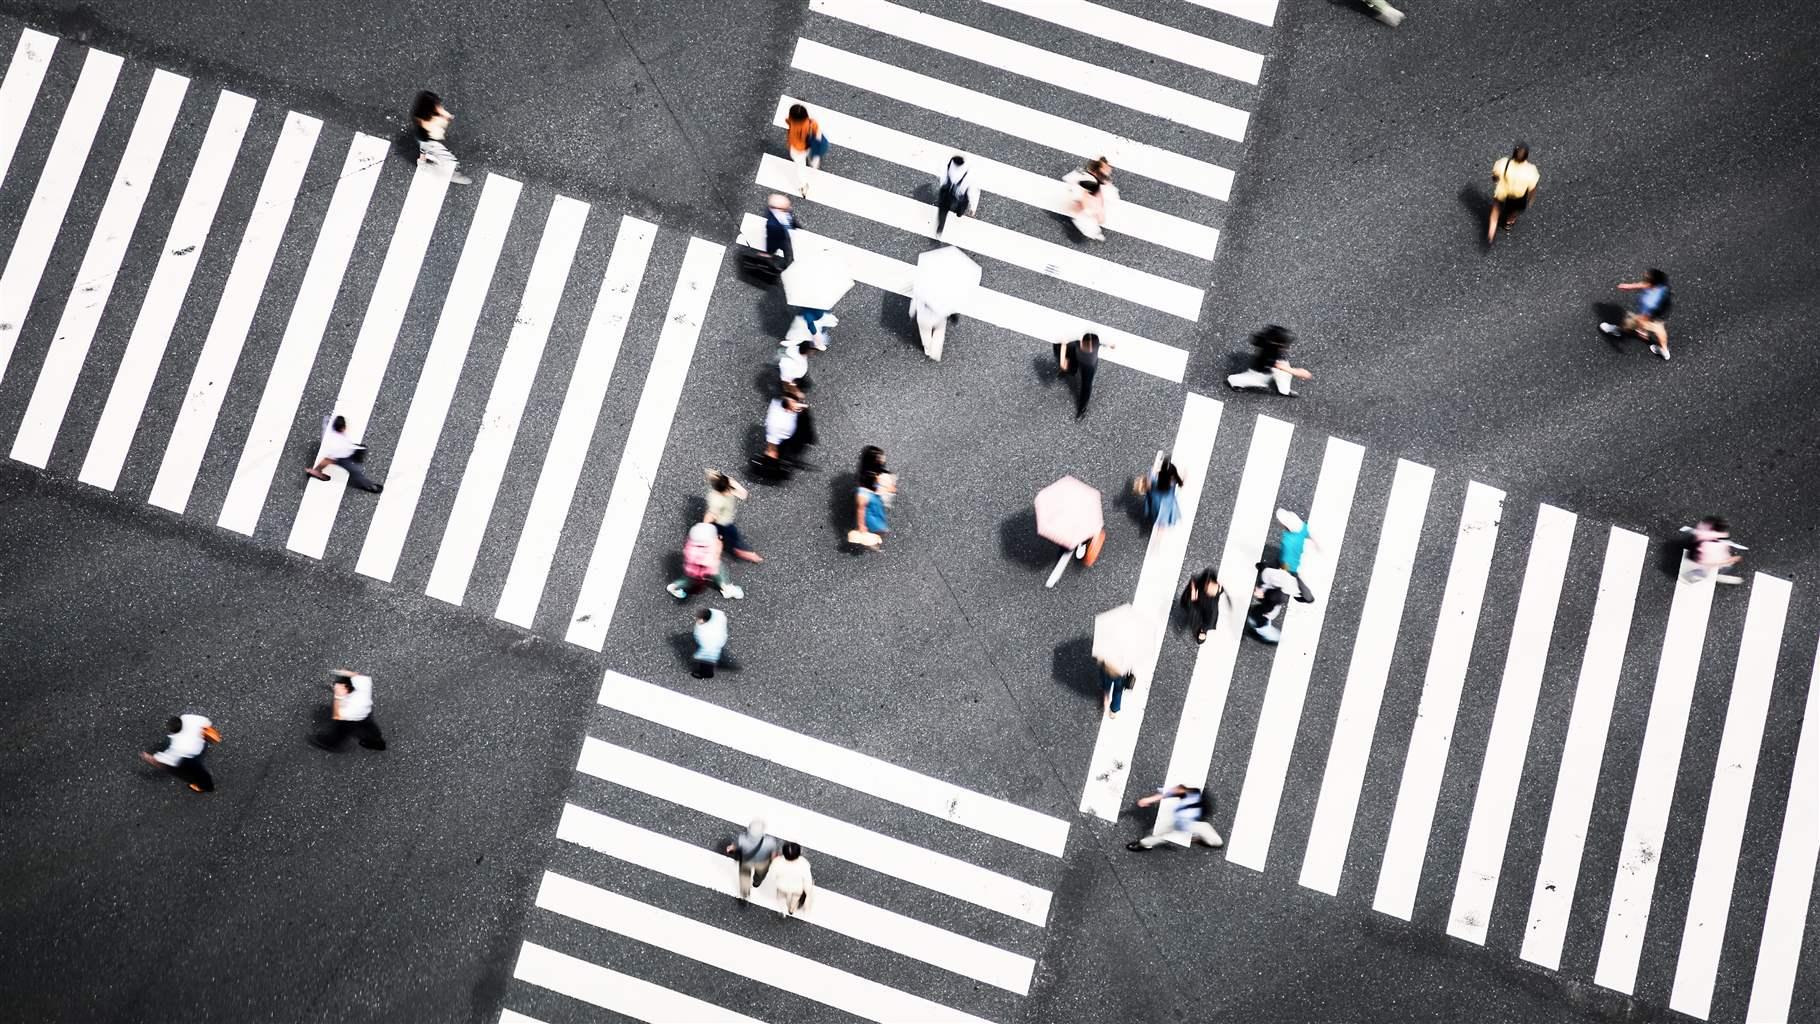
<point>779,252</point>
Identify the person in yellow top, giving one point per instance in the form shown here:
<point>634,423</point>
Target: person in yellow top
<point>1513,185</point>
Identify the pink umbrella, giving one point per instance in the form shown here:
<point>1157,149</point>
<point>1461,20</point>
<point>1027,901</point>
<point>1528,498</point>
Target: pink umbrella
<point>1068,512</point>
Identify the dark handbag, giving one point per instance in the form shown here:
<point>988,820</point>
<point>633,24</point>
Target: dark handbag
<point>360,453</point>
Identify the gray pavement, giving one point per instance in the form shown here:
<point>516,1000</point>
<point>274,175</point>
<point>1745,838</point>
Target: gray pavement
<point>411,875</point>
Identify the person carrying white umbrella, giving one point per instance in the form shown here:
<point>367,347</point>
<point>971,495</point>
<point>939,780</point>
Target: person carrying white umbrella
<point>1119,634</point>
<point>813,284</point>
<point>945,281</point>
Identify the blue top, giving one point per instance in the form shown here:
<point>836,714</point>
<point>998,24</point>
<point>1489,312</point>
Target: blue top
<point>1292,548</point>
<point>875,511</point>
<point>1651,299</point>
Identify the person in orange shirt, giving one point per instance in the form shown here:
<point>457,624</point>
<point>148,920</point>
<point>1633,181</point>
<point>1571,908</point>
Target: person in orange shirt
<point>807,144</point>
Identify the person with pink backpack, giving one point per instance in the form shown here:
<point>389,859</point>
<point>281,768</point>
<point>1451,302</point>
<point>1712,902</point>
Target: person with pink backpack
<point>702,563</point>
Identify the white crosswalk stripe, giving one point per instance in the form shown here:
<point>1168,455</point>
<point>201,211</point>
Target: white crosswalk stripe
<point>19,90</point>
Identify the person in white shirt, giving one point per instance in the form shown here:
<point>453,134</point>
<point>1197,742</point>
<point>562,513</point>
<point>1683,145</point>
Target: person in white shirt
<point>793,364</point>
<point>710,634</point>
<point>788,430</point>
<point>957,194</point>
<point>337,447</point>
<point>188,739</point>
<point>351,714</point>
<point>1188,821</point>
<point>791,879</point>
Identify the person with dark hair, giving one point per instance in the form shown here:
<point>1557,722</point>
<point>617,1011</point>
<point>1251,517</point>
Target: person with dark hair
<point>793,364</point>
<point>871,498</point>
<point>183,749</point>
<point>791,879</point>
<point>1086,206</point>
<point>1276,587</point>
<point>1082,360</point>
<point>341,450</point>
<point>710,633</point>
<point>1710,549</point>
<point>1158,487</point>
<point>1189,819</point>
<point>1647,320</point>
<point>724,497</point>
<point>807,144</point>
<point>788,430</point>
<point>957,195</point>
<point>1201,598</point>
<point>429,123</point>
<point>1269,364</point>
<point>1513,185</point>
<point>351,713</point>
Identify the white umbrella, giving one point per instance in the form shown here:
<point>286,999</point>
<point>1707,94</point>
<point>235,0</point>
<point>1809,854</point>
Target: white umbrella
<point>1118,635</point>
<point>945,280</point>
<point>815,281</point>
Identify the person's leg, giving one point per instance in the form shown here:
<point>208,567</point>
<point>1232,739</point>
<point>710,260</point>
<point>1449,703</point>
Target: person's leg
<point>745,879</point>
<point>317,470</point>
<point>1084,392</point>
<point>357,476</point>
<point>701,668</point>
<point>937,335</point>
<point>801,158</point>
<point>727,588</point>
<point>1248,380</point>
<point>1153,841</point>
<point>1205,832</point>
<point>1497,213</point>
<point>367,730</point>
<point>1284,382</point>
<point>333,737</point>
<point>195,774</point>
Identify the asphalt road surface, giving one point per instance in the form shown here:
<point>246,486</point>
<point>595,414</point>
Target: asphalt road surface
<point>1505,767</point>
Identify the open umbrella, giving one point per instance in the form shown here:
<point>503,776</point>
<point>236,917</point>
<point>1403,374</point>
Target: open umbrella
<point>817,280</point>
<point>1119,634</point>
<point>1068,512</point>
<point>945,280</point>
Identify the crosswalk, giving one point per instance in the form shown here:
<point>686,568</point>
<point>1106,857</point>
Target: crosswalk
<point>1026,90</point>
<point>1424,851</point>
<point>876,889</point>
<point>314,246</point>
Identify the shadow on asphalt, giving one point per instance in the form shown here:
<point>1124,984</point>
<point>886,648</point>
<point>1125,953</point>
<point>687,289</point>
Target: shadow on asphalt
<point>1073,666</point>
<point>1018,541</point>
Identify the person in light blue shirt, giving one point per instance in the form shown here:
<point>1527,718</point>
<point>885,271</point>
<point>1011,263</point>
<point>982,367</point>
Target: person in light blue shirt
<point>1187,819</point>
<point>1295,539</point>
<point>710,641</point>
<point>1653,306</point>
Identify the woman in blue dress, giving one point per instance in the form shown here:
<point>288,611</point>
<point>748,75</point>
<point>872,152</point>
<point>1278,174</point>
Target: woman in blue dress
<point>1161,506</point>
<point>871,498</point>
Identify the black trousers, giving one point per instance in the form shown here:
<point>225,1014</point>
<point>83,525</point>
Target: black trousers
<point>336,735</point>
<point>194,772</point>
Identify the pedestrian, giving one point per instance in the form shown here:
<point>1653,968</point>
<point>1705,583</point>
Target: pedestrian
<point>341,450</point>
<point>1294,541</point>
<point>1098,170</point>
<point>1201,598</point>
<point>702,564</point>
<point>1158,488</point>
<point>351,713</point>
<point>1082,360</point>
<point>1269,363</point>
<point>1648,320</point>
<point>807,145</point>
<point>710,633</point>
<point>1191,819</point>
<point>789,428</point>
<point>755,851</point>
<point>430,122</point>
<point>1275,588</point>
<point>811,325</point>
<point>793,364</point>
<point>931,326</point>
<point>1086,207</point>
<point>956,195</point>
<point>876,490</point>
<point>1114,681</point>
<point>791,879</point>
<point>724,497</point>
<point>1513,185</point>
<point>1712,550</point>
<point>186,741</point>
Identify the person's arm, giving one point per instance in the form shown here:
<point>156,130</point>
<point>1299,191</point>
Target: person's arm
<point>1063,362</point>
<point>859,510</point>
<point>1294,371</point>
<point>1633,286</point>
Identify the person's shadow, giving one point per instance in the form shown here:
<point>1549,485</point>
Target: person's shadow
<point>1476,198</point>
<point>1669,552</point>
<point>1019,542</point>
<point>1073,667</point>
<point>1609,313</point>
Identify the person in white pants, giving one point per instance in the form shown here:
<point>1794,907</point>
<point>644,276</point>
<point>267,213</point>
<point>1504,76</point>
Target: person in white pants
<point>932,325</point>
<point>1190,824</point>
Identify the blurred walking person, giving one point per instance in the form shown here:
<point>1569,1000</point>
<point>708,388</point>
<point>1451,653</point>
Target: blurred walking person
<point>1648,320</point>
<point>351,713</point>
<point>339,449</point>
<point>710,634</point>
<point>1712,549</point>
<point>792,880</point>
<point>1275,588</point>
<point>755,851</point>
<point>957,195</point>
<point>877,488</point>
<point>185,743</point>
<point>780,249</point>
<point>789,428</point>
<point>1202,599</point>
<point>1189,819</point>
<point>793,364</point>
<point>1081,359</point>
<point>1269,364</point>
<point>807,145</point>
<point>702,565</point>
<point>1295,540</point>
<point>1085,205</point>
<point>1158,488</point>
<point>725,496</point>
<point>429,124</point>
<point>1513,185</point>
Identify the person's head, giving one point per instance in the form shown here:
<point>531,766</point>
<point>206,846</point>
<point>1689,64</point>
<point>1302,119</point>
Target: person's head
<point>1655,277</point>
<point>791,851</point>
<point>756,828</point>
<point>778,201</point>
<point>1167,475</point>
<point>1289,520</point>
<point>1273,334</point>
<point>1520,153</point>
<point>1717,524</point>
<point>173,724</point>
<point>426,106</point>
<point>340,423</point>
<point>803,347</point>
<point>1091,186</point>
<point>1181,790</point>
<point>793,392</point>
<point>1090,342</point>
<point>872,458</point>
<point>720,481</point>
<point>704,614</point>
<point>957,161</point>
<point>1100,168</point>
<point>798,113</point>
